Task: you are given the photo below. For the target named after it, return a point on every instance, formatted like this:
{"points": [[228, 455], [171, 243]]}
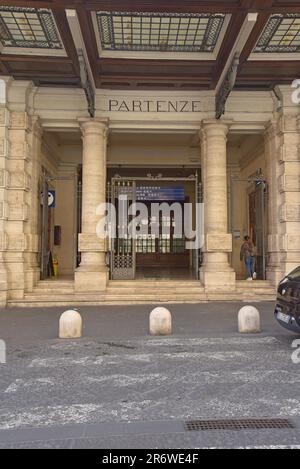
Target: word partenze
{"points": [[137, 105]]}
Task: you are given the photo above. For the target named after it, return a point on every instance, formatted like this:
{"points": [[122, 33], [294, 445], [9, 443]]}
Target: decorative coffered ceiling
{"points": [[151, 44]]}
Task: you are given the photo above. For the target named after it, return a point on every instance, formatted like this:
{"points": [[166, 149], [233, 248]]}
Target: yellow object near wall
{"points": [[55, 267]]}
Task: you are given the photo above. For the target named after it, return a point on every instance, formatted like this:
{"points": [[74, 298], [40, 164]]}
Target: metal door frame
{"points": [[198, 253], [44, 260], [123, 273]]}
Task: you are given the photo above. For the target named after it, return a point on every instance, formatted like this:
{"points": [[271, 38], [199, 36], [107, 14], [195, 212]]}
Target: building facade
{"points": [[65, 148]]}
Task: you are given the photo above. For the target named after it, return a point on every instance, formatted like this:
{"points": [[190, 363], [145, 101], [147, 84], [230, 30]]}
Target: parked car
{"points": [[287, 310]]}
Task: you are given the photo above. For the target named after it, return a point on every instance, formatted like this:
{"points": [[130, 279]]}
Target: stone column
{"points": [[274, 267], [32, 268], [21, 241], [216, 273], [4, 181], [288, 181], [92, 274], [203, 147]]}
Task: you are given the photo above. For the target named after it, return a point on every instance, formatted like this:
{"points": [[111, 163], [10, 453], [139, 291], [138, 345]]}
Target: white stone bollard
{"points": [[70, 325], [249, 320], [160, 321]]}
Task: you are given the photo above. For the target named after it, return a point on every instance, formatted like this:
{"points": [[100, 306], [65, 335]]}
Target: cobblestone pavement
{"points": [[136, 391]]}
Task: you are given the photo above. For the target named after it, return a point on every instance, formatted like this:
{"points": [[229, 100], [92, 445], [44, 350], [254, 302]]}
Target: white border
{"points": [[276, 56], [34, 51]]}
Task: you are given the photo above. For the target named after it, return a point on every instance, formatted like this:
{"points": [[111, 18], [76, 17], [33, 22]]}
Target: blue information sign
{"points": [[154, 193], [51, 199]]}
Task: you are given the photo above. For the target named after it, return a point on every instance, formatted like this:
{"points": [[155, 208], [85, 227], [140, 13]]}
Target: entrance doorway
{"points": [[57, 225], [45, 227], [159, 249], [258, 225], [249, 199]]}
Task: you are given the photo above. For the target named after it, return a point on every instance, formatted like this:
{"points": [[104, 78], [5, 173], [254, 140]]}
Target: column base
{"points": [[91, 281], [3, 286], [3, 294], [32, 276], [218, 281], [3, 303], [274, 275], [15, 280]]}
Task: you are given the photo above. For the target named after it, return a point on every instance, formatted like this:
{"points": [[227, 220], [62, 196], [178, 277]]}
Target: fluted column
{"points": [[216, 273], [92, 273]]}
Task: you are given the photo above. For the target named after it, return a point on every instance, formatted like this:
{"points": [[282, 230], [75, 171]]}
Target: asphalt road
{"points": [[117, 387]]}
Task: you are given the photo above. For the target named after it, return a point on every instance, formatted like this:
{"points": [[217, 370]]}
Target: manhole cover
{"points": [[249, 424]]}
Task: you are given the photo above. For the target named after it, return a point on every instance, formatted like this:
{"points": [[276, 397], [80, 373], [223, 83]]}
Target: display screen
{"points": [[154, 193]]}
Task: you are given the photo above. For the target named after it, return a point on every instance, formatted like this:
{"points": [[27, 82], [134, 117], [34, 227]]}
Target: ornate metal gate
{"points": [[121, 194], [122, 248]]}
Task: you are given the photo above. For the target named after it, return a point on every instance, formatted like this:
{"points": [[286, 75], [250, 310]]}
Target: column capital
{"points": [[216, 127], [94, 126], [271, 129], [37, 126]]}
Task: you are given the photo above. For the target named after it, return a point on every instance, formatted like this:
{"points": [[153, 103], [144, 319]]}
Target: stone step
{"points": [[254, 284], [26, 303], [130, 289], [154, 283], [101, 299], [161, 290], [115, 296], [51, 292], [55, 284], [68, 304], [61, 293], [256, 290], [240, 297], [157, 291], [125, 288], [144, 298]]}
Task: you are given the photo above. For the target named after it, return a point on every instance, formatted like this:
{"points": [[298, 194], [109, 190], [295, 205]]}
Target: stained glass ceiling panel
{"points": [[159, 31], [281, 35], [28, 27]]}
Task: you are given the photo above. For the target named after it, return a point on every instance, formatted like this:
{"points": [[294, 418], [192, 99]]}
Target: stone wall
{"points": [[20, 147]]}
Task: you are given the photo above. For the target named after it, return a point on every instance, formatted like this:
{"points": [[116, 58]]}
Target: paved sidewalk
{"points": [[117, 387], [21, 326]]}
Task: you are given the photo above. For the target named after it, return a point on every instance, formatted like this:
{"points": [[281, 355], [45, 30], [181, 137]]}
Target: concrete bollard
{"points": [[249, 320], [160, 321], [70, 325]]}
